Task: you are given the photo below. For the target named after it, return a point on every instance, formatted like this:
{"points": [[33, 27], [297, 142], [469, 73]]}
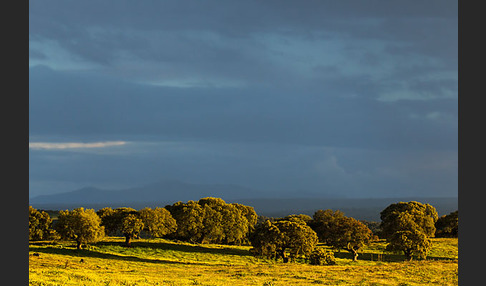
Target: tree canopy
{"points": [[407, 227], [212, 220], [189, 218], [412, 242], [121, 220], [418, 215], [158, 222], [273, 239], [80, 225], [39, 224], [448, 225], [341, 232], [131, 226], [323, 221]]}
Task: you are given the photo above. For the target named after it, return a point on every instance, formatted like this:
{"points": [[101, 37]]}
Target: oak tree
{"points": [[419, 215], [341, 232], [448, 225], [80, 225], [266, 239], [351, 235], [189, 218], [407, 227], [131, 225], [274, 239], [212, 220], [411, 242], [39, 224], [122, 220], [323, 222], [158, 222]]}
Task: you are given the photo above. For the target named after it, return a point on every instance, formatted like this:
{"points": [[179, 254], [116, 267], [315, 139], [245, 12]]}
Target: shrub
{"points": [[447, 225], [321, 257]]}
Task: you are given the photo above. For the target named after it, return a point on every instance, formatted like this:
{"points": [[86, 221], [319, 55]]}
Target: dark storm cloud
{"points": [[353, 97], [91, 106], [244, 15], [221, 38]]}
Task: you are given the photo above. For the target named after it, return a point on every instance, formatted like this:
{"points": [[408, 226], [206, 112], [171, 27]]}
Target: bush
{"points": [[321, 257], [447, 225]]}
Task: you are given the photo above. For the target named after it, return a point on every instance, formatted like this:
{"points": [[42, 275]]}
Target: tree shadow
{"points": [[53, 248], [222, 250], [385, 257], [441, 258], [85, 253]]}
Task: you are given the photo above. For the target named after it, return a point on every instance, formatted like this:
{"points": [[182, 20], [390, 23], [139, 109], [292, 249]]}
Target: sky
{"points": [[352, 98]]}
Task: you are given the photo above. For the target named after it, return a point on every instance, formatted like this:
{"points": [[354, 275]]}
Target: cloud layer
{"points": [[72, 145], [350, 97]]}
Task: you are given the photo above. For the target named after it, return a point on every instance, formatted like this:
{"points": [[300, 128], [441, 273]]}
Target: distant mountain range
{"points": [[358, 208], [170, 191]]}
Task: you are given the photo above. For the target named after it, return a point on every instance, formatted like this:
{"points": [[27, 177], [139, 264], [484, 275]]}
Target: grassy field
{"points": [[163, 262]]}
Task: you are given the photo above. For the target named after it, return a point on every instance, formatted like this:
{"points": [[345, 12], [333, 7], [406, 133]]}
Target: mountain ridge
{"points": [[166, 190], [162, 193]]}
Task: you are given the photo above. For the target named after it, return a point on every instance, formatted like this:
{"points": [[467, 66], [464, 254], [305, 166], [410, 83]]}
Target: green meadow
{"points": [[165, 262]]}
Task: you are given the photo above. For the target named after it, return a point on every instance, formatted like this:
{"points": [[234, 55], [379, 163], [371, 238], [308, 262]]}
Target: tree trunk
{"points": [[355, 255], [353, 251], [409, 255], [282, 254], [128, 239], [78, 245]]}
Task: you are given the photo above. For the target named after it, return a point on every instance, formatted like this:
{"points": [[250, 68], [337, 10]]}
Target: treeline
{"points": [[209, 220], [406, 226]]}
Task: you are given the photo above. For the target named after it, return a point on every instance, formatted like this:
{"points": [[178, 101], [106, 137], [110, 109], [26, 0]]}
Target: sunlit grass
{"points": [[163, 262]]}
